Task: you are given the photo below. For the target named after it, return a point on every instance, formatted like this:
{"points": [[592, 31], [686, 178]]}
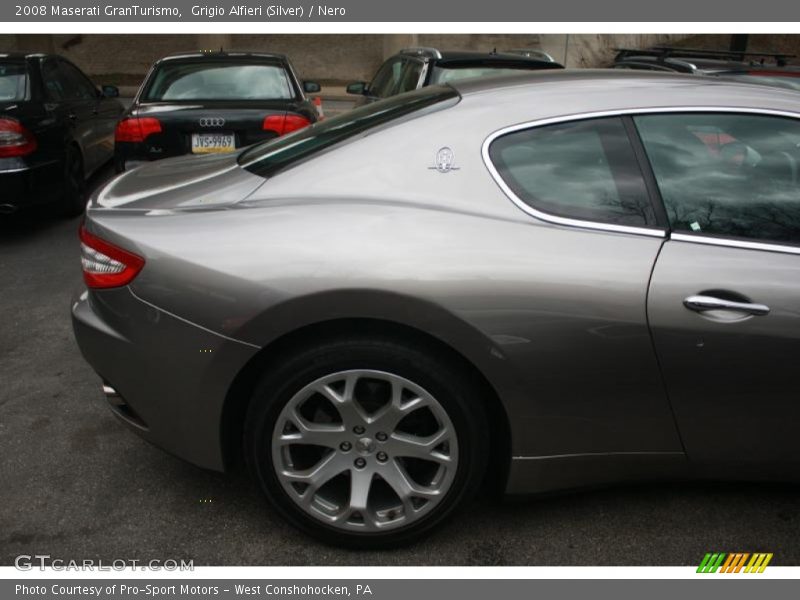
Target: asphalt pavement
{"points": [[75, 483]]}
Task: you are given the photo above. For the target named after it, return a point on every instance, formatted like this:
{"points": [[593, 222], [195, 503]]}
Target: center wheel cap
{"points": [[365, 445]]}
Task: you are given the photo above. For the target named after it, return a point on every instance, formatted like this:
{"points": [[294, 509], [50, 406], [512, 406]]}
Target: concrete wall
{"points": [[328, 58]]}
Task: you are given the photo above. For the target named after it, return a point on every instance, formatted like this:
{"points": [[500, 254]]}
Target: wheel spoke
{"points": [[360, 484], [390, 416], [424, 448], [315, 434], [317, 476], [405, 487], [345, 403]]}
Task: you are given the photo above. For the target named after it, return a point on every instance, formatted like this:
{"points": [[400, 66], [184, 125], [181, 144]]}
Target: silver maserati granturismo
{"points": [[538, 282]]}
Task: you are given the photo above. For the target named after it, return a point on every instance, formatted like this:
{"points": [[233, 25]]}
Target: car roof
{"points": [[463, 57], [222, 54], [588, 90], [21, 56], [697, 63]]}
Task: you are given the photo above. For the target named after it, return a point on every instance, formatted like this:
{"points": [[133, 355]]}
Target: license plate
{"points": [[211, 143]]}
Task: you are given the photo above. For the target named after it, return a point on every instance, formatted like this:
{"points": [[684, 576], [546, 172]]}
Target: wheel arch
{"points": [[240, 391]]}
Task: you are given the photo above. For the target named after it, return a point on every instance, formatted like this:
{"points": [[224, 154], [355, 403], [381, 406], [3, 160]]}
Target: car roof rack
{"points": [[422, 51], [664, 52]]}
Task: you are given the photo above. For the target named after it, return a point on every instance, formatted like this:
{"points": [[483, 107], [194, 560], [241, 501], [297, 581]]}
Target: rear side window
{"points": [[410, 78], [387, 79], [81, 88], [13, 82], [584, 170], [270, 157], [58, 86], [218, 80], [730, 175]]}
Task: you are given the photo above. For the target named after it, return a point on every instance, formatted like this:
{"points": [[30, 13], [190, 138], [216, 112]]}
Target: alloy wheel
{"points": [[365, 450]]}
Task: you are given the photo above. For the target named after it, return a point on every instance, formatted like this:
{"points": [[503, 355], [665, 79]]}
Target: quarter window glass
{"points": [[54, 80], [82, 88], [727, 175], [583, 170], [387, 79], [410, 77]]}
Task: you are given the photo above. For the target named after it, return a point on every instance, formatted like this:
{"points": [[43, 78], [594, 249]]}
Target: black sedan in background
{"points": [[212, 102], [56, 129], [413, 68]]}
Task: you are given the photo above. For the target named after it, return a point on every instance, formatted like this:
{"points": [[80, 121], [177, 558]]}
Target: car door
{"points": [[724, 300], [104, 115], [92, 115]]}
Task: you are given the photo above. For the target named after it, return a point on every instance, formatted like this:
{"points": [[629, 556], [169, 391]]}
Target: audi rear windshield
{"points": [[268, 158], [13, 81], [207, 80]]}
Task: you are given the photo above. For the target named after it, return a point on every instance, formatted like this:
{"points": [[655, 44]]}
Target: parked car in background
{"points": [[596, 283], [413, 68], [212, 102], [56, 129], [532, 53], [768, 69]]}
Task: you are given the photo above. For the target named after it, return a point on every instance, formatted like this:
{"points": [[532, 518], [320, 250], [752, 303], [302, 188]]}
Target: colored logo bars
{"points": [[734, 562]]}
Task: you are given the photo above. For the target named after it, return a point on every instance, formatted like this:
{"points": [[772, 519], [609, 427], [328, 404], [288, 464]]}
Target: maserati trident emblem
{"points": [[445, 161], [212, 122]]}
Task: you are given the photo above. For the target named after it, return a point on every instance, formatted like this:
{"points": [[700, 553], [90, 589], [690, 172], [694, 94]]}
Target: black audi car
{"points": [[212, 102], [413, 68], [56, 129]]}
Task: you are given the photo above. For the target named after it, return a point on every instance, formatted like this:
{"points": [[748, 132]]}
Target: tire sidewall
{"points": [[439, 378]]}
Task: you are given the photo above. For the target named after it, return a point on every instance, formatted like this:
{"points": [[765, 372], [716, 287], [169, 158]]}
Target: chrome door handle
{"points": [[704, 303]]}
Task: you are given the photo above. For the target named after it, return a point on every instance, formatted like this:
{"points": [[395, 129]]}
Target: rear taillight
{"points": [[106, 265], [283, 124], [136, 129], [15, 139]]}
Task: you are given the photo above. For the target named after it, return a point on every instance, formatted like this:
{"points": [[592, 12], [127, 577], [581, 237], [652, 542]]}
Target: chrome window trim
{"points": [[729, 243], [596, 225]]}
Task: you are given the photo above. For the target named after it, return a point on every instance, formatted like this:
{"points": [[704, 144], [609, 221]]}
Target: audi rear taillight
{"points": [[15, 139], [106, 265], [136, 129], [283, 124]]}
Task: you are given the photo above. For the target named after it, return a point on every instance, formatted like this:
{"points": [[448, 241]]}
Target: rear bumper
{"points": [[129, 155], [168, 378], [28, 185]]}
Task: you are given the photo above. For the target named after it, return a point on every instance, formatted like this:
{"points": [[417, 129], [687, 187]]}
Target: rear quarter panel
{"points": [[553, 317]]}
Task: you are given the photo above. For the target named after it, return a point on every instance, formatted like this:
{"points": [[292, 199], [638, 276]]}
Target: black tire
{"points": [[443, 378], [74, 196]]}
